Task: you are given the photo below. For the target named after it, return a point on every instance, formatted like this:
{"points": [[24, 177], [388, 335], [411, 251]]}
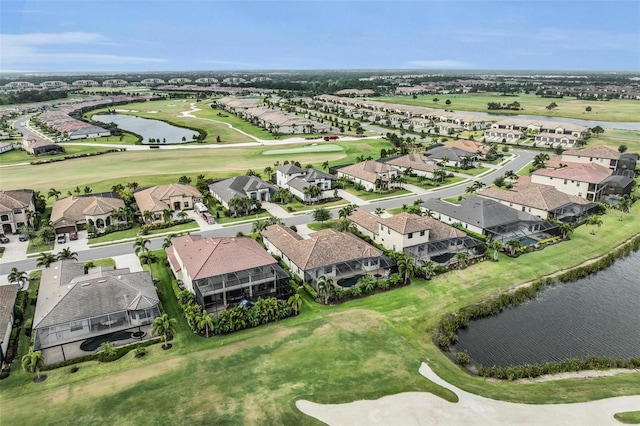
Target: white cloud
{"points": [[29, 50], [440, 64]]}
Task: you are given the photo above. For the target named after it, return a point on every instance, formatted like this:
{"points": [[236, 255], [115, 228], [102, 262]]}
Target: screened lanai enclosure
{"points": [[81, 329], [527, 232], [378, 267], [442, 251], [572, 212], [217, 292]]}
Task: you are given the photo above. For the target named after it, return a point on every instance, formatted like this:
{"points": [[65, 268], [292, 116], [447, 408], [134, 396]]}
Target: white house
{"points": [[296, 179]]}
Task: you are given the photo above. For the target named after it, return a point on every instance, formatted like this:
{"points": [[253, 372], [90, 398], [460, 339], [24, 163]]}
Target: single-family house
{"points": [[416, 162], [175, 197], [420, 237], [14, 205], [453, 156], [8, 295], [329, 253], [466, 145], [544, 201], [585, 180], [371, 174], [5, 147], [72, 214], [221, 271], [73, 306], [241, 186], [600, 155], [40, 146], [492, 218], [296, 179]]}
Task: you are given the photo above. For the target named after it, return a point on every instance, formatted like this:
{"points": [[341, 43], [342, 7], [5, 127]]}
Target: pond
{"points": [[598, 315], [149, 128]]}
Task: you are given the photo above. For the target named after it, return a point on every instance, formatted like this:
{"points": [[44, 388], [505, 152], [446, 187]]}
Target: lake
{"points": [[598, 315], [148, 128]]}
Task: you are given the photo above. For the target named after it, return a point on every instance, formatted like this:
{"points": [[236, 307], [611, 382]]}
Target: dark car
{"points": [[62, 238], [181, 285], [23, 237], [73, 236], [3, 239]]}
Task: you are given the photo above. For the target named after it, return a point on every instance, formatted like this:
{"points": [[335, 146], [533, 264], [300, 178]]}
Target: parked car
{"points": [[62, 238], [3, 239], [23, 237], [210, 219], [181, 285], [73, 236]]}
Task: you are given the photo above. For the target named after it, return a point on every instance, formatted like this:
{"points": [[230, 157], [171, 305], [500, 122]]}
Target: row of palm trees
{"points": [[45, 259]]}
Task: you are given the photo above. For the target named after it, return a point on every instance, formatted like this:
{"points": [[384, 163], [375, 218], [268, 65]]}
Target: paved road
{"points": [[523, 157]]}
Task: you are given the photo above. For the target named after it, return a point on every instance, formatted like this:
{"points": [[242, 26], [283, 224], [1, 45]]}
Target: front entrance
{"points": [[6, 228]]}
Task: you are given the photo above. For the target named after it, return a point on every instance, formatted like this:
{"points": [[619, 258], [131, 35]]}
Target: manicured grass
{"points": [[614, 110], [475, 171], [19, 156], [613, 138], [224, 220], [298, 206], [36, 245], [104, 262], [115, 236], [156, 167], [362, 349], [428, 183], [208, 113], [630, 417], [366, 195], [315, 147], [126, 139]]}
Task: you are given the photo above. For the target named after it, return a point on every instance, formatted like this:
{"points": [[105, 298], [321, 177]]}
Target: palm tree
{"points": [[513, 245], [345, 225], [429, 268], [165, 326], [148, 258], [148, 216], [167, 240], [16, 276], [140, 245], [325, 285], [624, 205], [45, 259], [496, 246], [511, 175], [295, 301], [440, 175], [182, 215], [67, 254], [406, 267], [108, 348], [368, 283], [325, 166], [379, 211], [53, 193], [32, 361], [595, 220], [234, 205], [205, 320], [167, 215], [565, 229], [462, 258]]}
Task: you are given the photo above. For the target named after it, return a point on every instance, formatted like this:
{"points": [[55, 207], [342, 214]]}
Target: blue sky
{"points": [[146, 35]]}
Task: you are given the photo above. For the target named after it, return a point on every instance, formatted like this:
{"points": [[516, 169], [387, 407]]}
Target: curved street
{"points": [[521, 159]]}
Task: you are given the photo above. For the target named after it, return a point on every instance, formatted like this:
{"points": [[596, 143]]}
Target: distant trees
{"points": [[551, 106], [622, 148]]}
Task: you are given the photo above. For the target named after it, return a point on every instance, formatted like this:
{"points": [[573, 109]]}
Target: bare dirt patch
{"points": [[586, 374]]}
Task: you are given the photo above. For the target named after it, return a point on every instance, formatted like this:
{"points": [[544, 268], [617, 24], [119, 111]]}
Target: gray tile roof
{"points": [[238, 186], [66, 295], [288, 169], [454, 154], [481, 212]]}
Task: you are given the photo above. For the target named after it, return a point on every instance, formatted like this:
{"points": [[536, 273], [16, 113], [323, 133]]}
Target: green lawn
{"points": [[126, 139], [614, 138], [631, 417], [366, 195], [428, 183], [156, 167], [475, 171], [19, 156], [36, 245], [298, 206], [374, 346], [614, 110], [134, 232], [208, 113]]}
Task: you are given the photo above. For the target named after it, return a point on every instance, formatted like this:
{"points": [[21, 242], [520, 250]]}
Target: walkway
{"points": [[423, 408]]}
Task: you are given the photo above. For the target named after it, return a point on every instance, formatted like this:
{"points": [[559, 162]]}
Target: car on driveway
{"points": [[3, 239], [62, 238], [23, 237], [73, 236], [181, 285]]}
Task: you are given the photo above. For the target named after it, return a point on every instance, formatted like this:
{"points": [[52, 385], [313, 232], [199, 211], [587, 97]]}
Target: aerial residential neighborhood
{"points": [[419, 213]]}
